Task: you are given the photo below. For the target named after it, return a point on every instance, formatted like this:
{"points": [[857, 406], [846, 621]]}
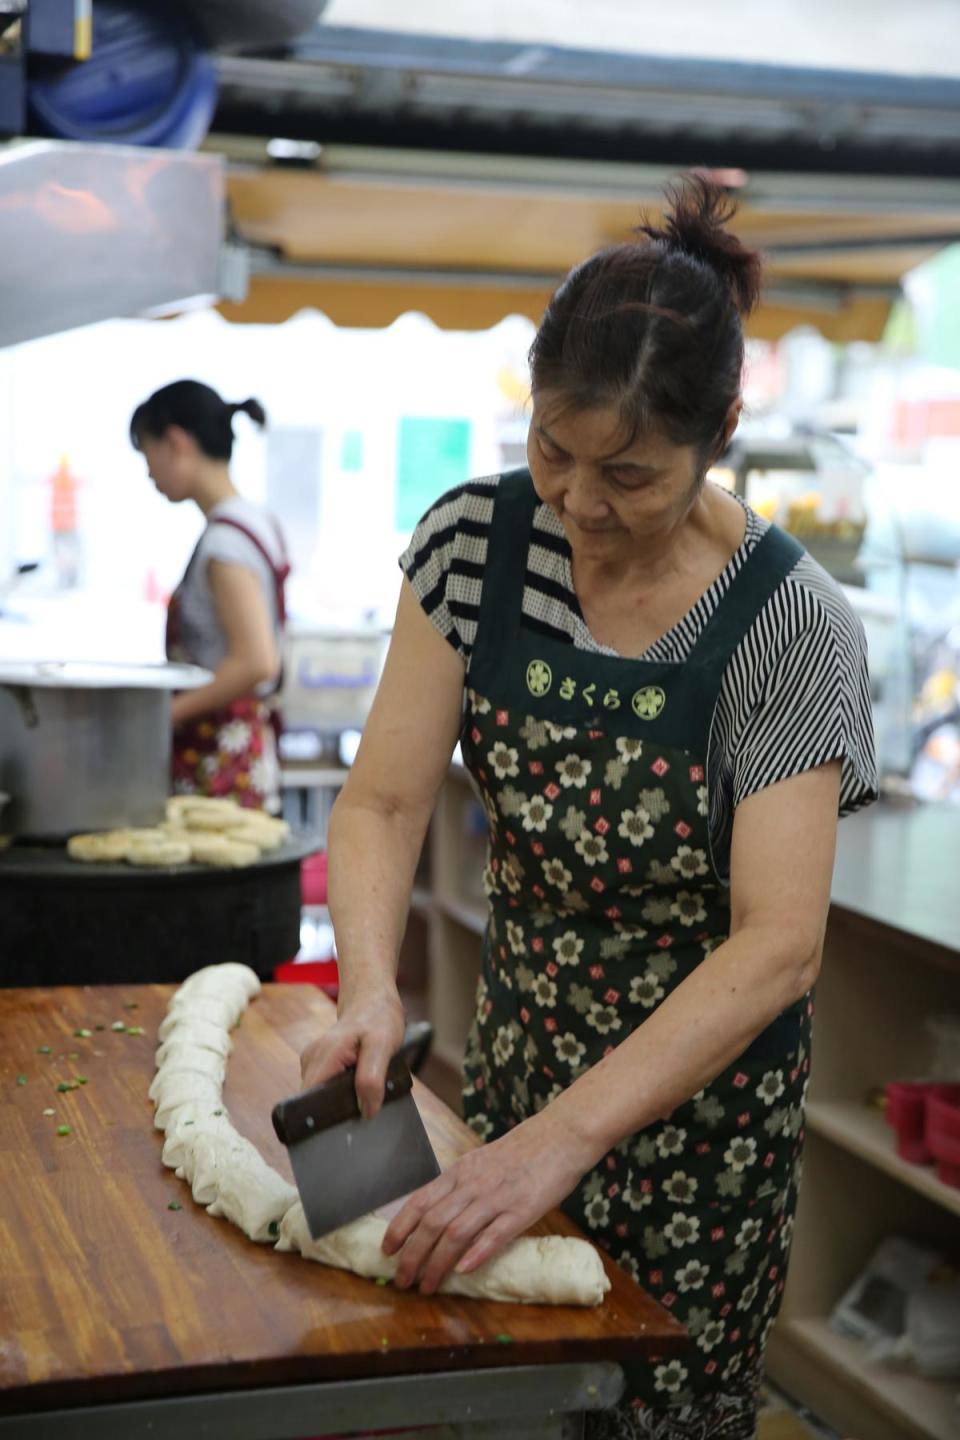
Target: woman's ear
{"points": [[181, 442], [730, 423]]}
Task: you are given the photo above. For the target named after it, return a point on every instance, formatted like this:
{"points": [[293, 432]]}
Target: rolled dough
{"points": [[534, 1270], [215, 1012], [216, 979], [188, 1059], [200, 1033], [230, 1177]]}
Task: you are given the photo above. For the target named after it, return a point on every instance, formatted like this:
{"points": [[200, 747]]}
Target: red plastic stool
{"points": [[322, 973]]}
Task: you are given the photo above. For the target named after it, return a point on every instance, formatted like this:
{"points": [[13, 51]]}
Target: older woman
{"points": [[663, 701]]}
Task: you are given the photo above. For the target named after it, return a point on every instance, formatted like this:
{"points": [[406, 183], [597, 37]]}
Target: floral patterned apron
{"points": [[231, 752], [604, 896]]}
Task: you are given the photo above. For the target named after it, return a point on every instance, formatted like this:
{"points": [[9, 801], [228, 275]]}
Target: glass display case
{"points": [[910, 560], [809, 484]]}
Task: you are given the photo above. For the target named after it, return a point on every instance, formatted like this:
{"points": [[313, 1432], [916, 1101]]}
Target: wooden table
{"points": [[120, 1316]]}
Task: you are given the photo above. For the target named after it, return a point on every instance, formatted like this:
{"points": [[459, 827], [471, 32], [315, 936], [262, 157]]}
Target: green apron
{"points": [[604, 895]]}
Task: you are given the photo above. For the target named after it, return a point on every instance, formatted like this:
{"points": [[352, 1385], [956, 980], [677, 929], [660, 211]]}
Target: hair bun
{"points": [[695, 222], [250, 407]]}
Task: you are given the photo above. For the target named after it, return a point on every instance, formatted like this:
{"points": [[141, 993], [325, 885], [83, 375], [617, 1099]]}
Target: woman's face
{"points": [[170, 461], [607, 494]]}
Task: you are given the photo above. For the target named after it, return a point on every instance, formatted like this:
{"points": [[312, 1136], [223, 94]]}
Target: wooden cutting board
{"points": [[106, 1293]]}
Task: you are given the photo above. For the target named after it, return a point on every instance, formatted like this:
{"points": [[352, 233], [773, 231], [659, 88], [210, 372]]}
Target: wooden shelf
{"points": [[919, 1409], [865, 1133], [471, 914]]}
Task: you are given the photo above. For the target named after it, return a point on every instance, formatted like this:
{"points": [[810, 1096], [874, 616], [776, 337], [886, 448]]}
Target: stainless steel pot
{"points": [[86, 746]]}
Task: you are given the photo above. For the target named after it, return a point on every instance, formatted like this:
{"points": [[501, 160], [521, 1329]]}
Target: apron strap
{"points": [[279, 572], [501, 603], [504, 574], [765, 569]]}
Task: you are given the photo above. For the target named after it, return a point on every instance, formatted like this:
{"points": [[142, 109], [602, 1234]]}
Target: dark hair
{"points": [[196, 408], [654, 327]]}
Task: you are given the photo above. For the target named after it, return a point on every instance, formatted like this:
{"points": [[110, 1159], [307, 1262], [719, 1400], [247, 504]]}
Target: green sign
{"points": [[351, 450], [432, 457]]}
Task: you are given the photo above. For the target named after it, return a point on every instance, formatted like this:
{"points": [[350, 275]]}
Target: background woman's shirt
{"points": [[203, 636]]}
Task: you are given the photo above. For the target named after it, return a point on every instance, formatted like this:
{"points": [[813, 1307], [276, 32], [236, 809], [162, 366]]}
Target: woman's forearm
{"points": [[233, 678], [373, 856], [697, 1031]]}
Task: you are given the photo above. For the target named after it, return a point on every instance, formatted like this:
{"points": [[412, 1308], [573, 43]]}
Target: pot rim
{"points": [[102, 675]]}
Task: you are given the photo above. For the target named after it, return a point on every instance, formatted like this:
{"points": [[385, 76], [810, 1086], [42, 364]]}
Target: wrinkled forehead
{"points": [[599, 430]]}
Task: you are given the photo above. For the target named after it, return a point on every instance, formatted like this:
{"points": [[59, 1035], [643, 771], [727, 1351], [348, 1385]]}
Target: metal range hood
{"points": [[93, 232]]}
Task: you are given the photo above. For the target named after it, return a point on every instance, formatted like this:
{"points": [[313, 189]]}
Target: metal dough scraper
{"points": [[346, 1166]]}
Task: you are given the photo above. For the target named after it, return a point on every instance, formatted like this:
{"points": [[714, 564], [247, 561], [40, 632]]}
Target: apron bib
{"points": [[604, 895]]}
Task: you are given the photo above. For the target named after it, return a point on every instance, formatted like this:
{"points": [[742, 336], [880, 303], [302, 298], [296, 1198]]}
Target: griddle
{"points": [[66, 923]]}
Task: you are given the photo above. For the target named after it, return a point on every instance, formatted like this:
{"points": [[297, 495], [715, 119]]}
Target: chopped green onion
{"points": [[49, 1112], [504, 1339], [273, 1228], [189, 1122], [43, 1049], [216, 1112], [64, 1086], [382, 1280], [73, 1055], [131, 1005], [80, 1079], [63, 1129], [118, 1025], [174, 1205], [134, 1029], [21, 1079], [83, 1034]]}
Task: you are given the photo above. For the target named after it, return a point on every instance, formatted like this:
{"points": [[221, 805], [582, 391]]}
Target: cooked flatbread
{"points": [[178, 805], [253, 835], [159, 849], [98, 849], [222, 851], [212, 822], [259, 819]]}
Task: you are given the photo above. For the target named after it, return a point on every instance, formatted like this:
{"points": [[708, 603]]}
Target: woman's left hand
{"points": [[486, 1199]]}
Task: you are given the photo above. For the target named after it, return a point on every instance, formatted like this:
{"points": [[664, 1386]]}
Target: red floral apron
{"points": [[230, 753]]}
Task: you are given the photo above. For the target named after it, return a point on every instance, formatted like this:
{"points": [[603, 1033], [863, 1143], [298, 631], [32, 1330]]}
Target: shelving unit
{"points": [[865, 1133], [875, 992], [456, 919], [907, 1407]]}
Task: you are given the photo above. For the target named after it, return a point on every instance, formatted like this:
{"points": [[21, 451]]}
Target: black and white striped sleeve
{"points": [[811, 693], [445, 559]]}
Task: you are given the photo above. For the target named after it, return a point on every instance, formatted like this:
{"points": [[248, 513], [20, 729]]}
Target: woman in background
{"points": [[227, 613]]}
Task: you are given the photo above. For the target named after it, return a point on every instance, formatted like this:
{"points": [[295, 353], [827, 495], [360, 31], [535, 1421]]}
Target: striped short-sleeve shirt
{"points": [[795, 694]]}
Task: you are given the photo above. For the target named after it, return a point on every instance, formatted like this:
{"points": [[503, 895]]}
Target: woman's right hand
{"points": [[368, 1033]]}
